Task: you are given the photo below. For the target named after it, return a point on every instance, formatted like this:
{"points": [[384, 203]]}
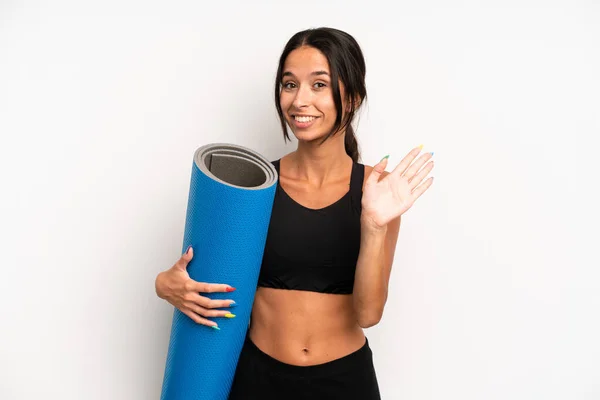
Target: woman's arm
{"points": [[383, 203], [373, 268]]}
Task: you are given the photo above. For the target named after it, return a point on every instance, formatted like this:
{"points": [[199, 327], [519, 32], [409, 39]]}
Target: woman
{"points": [[331, 239]]}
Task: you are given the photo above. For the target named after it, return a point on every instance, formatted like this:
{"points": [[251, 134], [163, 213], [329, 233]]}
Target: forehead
{"points": [[305, 60]]}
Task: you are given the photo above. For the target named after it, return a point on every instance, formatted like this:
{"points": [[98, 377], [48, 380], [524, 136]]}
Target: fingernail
{"points": [[229, 315], [432, 153], [229, 289], [188, 249], [384, 158], [215, 327], [232, 304], [420, 147]]}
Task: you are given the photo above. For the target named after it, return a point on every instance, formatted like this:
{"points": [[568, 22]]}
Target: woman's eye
{"points": [[292, 85]]}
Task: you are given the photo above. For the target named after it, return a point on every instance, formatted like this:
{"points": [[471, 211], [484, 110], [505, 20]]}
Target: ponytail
{"points": [[351, 144]]}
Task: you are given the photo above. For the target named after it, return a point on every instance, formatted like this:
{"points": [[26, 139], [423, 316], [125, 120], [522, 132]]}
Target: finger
{"points": [[208, 313], [400, 168], [414, 168], [219, 303], [204, 287], [422, 188], [414, 181], [198, 319], [377, 171], [185, 259], [206, 302]]}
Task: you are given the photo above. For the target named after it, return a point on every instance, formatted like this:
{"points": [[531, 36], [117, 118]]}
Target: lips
{"points": [[303, 118], [303, 121]]}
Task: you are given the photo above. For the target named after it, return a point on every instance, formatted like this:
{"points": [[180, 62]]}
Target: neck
{"points": [[320, 164]]}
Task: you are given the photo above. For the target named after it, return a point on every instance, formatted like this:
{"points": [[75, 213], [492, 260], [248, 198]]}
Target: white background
{"points": [[494, 291]]}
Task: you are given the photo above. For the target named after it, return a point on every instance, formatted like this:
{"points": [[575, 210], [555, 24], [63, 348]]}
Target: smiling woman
{"points": [[320, 83], [331, 238], [305, 337]]}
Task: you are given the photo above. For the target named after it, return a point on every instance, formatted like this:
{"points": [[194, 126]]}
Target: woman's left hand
{"points": [[388, 198]]}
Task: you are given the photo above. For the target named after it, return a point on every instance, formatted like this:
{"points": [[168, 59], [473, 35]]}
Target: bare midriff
{"points": [[304, 328]]}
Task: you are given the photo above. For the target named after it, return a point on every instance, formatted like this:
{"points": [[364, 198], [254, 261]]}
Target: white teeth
{"points": [[303, 119]]}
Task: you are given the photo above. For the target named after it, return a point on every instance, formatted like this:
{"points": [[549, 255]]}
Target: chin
{"points": [[308, 135]]}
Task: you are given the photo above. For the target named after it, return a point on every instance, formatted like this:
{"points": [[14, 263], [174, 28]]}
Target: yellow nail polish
{"points": [[420, 147], [229, 315]]}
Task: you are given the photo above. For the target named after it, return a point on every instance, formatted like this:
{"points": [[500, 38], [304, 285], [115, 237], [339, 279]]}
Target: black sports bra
{"points": [[313, 249]]}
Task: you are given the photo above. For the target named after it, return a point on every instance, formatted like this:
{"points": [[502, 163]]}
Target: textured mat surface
{"points": [[230, 200]]}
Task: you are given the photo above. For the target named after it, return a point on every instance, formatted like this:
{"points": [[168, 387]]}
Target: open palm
{"points": [[385, 199]]}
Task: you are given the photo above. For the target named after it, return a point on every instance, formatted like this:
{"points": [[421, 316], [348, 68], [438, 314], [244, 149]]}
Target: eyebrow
{"points": [[288, 73]]}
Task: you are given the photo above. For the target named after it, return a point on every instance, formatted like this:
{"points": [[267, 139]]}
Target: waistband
{"points": [[361, 358]]}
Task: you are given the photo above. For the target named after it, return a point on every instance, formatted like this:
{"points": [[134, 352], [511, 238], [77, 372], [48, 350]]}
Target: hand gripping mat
{"points": [[228, 213]]}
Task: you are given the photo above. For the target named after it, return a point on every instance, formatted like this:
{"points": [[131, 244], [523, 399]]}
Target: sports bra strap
{"points": [[356, 182]]}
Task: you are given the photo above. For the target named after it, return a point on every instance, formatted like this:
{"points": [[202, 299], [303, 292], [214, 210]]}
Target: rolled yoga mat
{"points": [[228, 213]]}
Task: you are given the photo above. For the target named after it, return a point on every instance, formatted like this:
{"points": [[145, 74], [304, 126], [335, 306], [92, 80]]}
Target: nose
{"points": [[303, 97]]}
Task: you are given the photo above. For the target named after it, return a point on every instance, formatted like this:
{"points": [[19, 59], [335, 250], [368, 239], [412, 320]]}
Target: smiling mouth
{"points": [[304, 118]]}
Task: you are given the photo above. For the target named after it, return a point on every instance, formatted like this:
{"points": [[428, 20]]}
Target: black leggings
{"points": [[260, 376]]}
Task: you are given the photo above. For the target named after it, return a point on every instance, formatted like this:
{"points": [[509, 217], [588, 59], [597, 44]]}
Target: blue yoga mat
{"points": [[229, 207]]}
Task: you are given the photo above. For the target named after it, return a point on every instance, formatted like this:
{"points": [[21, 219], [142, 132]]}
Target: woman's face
{"points": [[306, 98]]}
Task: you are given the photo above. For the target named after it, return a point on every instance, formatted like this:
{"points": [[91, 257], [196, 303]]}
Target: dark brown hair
{"points": [[346, 63]]}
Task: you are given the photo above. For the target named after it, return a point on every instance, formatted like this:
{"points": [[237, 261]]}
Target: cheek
{"points": [[327, 106], [285, 101]]}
